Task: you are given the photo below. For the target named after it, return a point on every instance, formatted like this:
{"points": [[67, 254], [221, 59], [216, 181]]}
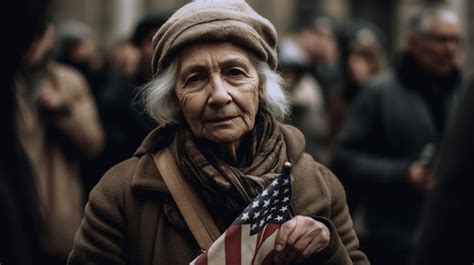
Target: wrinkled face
{"points": [[218, 91], [437, 49]]}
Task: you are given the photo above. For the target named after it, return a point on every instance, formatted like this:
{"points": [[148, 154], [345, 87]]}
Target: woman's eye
{"points": [[234, 72], [195, 78]]}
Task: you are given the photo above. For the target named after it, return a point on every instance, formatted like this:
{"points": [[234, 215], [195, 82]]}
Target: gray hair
{"points": [[421, 22], [159, 100]]}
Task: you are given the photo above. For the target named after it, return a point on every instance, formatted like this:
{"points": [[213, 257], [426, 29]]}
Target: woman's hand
{"points": [[299, 238]]}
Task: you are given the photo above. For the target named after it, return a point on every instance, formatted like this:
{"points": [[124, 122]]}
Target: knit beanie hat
{"points": [[215, 20]]}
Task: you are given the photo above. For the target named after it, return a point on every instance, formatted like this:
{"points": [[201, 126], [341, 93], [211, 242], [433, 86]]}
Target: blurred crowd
{"points": [[379, 123]]}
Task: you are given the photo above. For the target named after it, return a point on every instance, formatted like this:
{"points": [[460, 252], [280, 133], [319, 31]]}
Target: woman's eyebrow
{"points": [[234, 62]]}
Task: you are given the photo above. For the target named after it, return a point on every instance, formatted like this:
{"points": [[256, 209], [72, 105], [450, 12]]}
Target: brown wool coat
{"points": [[131, 218]]}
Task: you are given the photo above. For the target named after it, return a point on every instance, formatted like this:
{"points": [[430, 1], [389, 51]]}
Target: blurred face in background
{"points": [[83, 51], [126, 58], [364, 61], [320, 44], [437, 49], [360, 69]]}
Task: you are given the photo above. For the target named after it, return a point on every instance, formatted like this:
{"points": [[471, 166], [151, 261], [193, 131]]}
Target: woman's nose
{"points": [[219, 94]]}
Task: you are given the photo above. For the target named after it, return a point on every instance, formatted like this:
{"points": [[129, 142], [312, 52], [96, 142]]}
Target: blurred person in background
{"points": [[125, 58], [362, 58], [448, 217], [19, 213], [76, 46], [142, 39], [305, 95], [386, 143], [323, 47], [125, 121], [309, 62], [58, 123], [316, 47]]}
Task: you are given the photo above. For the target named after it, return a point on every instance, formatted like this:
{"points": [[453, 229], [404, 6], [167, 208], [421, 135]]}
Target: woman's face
{"points": [[218, 91]]}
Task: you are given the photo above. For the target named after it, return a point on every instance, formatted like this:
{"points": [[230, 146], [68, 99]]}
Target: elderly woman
{"points": [[218, 99]]}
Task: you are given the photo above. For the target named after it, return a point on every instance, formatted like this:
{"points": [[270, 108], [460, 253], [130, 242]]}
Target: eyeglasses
{"points": [[442, 39]]}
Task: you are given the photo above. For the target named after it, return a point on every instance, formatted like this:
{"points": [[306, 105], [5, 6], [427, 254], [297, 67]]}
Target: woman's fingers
{"points": [[281, 249], [300, 238]]}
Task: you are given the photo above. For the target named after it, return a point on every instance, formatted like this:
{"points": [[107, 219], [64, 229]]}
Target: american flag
{"points": [[251, 237]]}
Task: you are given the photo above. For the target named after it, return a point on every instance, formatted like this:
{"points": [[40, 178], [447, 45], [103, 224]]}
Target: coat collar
{"points": [[147, 177]]}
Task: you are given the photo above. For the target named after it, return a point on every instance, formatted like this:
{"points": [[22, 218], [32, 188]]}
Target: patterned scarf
{"points": [[232, 187]]}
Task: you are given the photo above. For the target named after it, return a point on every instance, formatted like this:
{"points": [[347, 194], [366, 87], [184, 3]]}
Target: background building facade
{"points": [[113, 20]]}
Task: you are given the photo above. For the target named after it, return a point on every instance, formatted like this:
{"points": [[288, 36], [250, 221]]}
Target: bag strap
{"points": [[189, 203]]}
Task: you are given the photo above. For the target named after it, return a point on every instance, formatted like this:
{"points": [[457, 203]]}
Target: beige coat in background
{"points": [[56, 169]]}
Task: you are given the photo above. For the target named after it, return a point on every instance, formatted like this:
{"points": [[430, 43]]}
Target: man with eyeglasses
{"points": [[388, 145]]}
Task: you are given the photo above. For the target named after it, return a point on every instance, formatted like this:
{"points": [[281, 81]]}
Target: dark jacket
{"points": [[392, 120], [131, 218], [450, 205]]}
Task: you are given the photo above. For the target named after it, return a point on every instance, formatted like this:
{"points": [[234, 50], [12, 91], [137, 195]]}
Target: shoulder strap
{"points": [[189, 203]]}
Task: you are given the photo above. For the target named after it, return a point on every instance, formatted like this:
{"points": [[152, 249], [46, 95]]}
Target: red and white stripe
{"points": [[237, 247]]}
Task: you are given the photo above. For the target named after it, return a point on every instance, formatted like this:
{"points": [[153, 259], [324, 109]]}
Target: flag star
{"points": [[255, 204], [286, 190], [261, 222], [275, 182], [245, 216], [266, 203], [286, 199], [265, 212], [279, 218], [256, 215], [284, 208], [275, 193], [269, 217], [265, 193], [273, 209], [285, 181], [276, 201], [253, 227]]}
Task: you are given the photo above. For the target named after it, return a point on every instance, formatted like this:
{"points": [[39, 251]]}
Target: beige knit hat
{"points": [[215, 20]]}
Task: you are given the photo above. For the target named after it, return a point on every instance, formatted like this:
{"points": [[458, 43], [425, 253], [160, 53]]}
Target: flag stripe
{"points": [[266, 232], [232, 244], [267, 246], [269, 230], [216, 253], [248, 245]]}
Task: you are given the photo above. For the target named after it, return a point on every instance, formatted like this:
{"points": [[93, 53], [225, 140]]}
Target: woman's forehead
{"points": [[215, 53]]}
